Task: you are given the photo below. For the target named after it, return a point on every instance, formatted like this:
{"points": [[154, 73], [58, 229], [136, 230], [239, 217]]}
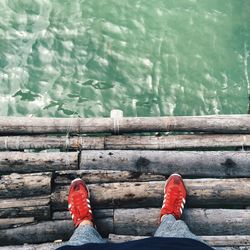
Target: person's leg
{"points": [[172, 209], [82, 216], [83, 235], [170, 227]]}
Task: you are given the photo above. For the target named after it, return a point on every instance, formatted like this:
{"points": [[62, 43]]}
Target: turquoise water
{"points": [[149, 58]]}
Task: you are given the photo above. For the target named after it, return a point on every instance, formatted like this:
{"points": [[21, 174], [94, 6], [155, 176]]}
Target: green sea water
{"points": [[68, 58]]}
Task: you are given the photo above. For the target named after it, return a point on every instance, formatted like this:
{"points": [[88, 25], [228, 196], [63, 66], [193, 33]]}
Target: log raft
{"points": [[37, 125], [125, 173], [125, 142]]}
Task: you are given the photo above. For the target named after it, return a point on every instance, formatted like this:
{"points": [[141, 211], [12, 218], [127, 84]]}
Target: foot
{"points": [[78, 202], [174, 197]]}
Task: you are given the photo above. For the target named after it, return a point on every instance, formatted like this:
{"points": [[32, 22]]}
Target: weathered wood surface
{"points": [[224, 240], [98, 214], [15, 222], [201, 192], [51, 142], [175, 142], [20, 162], [200, 221], [38, 125], [37, 207], [124, 142], [44, 246], [25, 185], [52, 246], [38, 233], [102, 176], [187, 163], [132, 222]]}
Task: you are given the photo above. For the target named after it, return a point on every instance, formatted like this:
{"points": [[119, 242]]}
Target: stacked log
{"points": [[125, 175], [132, 222], [23, 162], [187, 163], [124, 142], [214, 124]]}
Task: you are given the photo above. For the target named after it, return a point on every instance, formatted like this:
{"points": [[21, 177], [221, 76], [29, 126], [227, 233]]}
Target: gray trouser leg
{"points": [[85, 234], [170, 227]]}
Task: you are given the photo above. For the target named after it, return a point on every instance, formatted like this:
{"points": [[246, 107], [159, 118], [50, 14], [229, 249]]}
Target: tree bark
{"points": [[34, 125], [186, 163], [132, 222], [102, 176], [37, 207], [201, 192], [52, 246], [15, 222], [25, 185], [224, 240], [124, 142], [20, 162], [200, 221]]}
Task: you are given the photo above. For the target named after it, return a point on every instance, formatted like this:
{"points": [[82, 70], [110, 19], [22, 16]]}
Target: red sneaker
{"points": [[174, 196], [78, 202]]}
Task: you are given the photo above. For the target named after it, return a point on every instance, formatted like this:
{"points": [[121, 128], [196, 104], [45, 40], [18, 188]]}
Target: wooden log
{"points": [[221, 240], [227, 240], [200, 221], [187, 163], [98, 214], [51, 142], [20, 162], [37, 207], [25, 185], [124, 142], [132, 222], [38, 125], [44, 246], [175, 142], [201, 193], [52, 246], [38, 233], [103, 219], [48, 231], [102, 176], [15, 222]]}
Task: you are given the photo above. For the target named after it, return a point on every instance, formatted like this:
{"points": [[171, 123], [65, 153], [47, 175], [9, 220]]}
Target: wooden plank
{"points": [[39, 125], [200, 221], [37, 207], [187, 163], [102, 176], [124, 142], [20, 162], [132, 222], [201, 193], [224, 240], [25, 185], [15, 222]]}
